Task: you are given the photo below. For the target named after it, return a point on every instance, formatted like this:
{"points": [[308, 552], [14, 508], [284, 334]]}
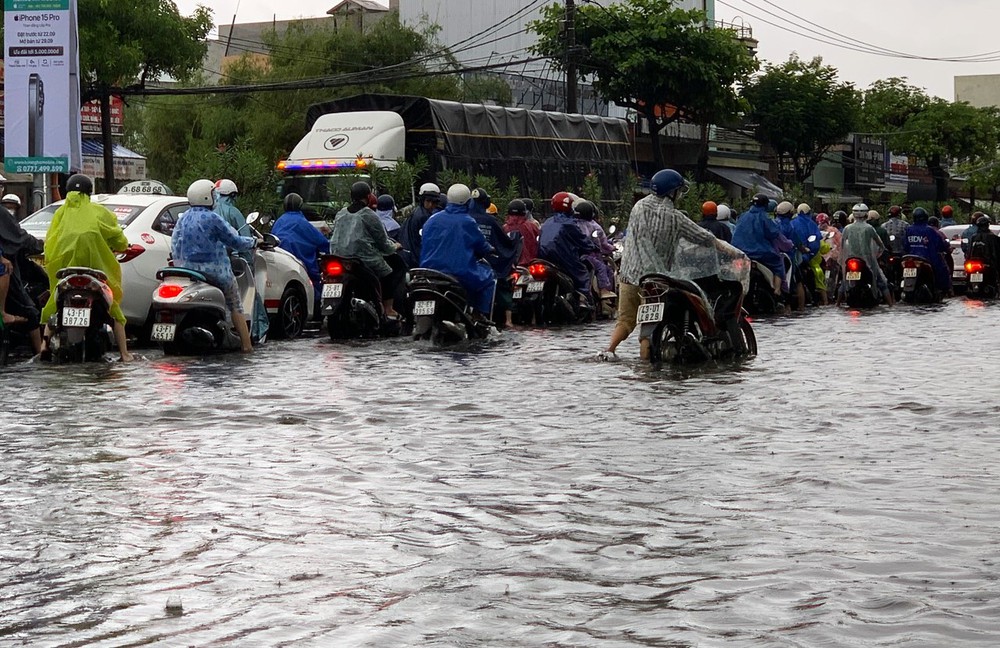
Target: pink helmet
{"points": [[822, 220]]}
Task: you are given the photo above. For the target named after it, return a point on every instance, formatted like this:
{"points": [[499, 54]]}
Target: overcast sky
{"points": [[929, 28]]}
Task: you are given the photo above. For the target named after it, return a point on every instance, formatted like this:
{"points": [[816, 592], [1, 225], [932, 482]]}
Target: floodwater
{"points": [[839, 490]]}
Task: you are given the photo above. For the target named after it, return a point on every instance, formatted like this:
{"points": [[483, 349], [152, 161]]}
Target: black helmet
{"points": [[934, 222], [360, 191], [385, 203], [529, 204], [983, 223], [481, 197], [81, 183], [760, 200], [840, 217], [293, 202], [517, 208], [920, 215], [585, 210]]}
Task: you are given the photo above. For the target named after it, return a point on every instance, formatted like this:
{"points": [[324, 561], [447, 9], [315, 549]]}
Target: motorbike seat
{"points": [[187, 273], [440, 281], [77, 270]]}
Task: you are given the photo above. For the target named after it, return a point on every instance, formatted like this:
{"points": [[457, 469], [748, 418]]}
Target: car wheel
{"points": [[291, 318]]}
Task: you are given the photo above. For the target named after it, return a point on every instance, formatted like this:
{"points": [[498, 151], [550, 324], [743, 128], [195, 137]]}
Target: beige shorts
{"points": [[628, 305]]}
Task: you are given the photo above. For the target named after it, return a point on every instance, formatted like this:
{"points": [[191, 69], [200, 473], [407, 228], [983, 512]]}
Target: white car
{"points": [[148, 220]]}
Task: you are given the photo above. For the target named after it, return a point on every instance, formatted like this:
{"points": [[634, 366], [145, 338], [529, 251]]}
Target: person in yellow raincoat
{"points": [[86, 235]]}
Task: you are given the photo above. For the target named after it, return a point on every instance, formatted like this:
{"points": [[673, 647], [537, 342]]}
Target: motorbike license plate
{"points": [[73, 317], [333, 290], [650, 313], [958, 273], [976, 277], [519, 293], [909, 273], [536, 286], [163, 332], [854, 276], [423, 308]]}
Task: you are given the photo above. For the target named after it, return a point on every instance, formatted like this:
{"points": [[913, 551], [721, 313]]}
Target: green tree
{"points": [[666, 63], [800, 110], [888, 103], [126, 43]]}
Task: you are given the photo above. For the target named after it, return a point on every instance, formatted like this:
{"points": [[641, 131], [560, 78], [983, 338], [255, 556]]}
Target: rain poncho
{"points": [[924, 241], [760, 239], [985, 246], [529, 231], [862, 241], [389, 222], [505, 250], [807, 233], [225, 206], [303, 241], [201, 240], [655, 227], [563, 243], [593, 231], [84, 234], [360, 235], [452, 243], [409, 234]]}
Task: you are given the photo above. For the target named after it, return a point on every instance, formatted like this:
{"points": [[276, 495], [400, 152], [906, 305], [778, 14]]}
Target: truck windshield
{"points": [[329, 190]]}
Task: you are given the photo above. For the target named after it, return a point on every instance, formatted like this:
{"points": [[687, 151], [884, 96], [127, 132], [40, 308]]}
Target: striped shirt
{"points": [[655, 227]]}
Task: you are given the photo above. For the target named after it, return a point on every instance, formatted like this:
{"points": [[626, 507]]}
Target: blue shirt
{"points": [[200, 241], [302, 240]]}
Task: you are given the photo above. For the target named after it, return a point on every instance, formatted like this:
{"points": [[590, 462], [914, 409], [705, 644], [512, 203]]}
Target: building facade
{"points": [[980, 90]]}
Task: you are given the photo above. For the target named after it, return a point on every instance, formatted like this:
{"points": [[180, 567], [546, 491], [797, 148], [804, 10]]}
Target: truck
{"points": [[545, 151]]}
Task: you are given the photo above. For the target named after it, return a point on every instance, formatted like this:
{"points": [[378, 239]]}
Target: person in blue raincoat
{"points": [[564, 244], [385, 209], [759, 238], [226, 193], [410, 231], [301, 239], [506, 251], [452, 243], [924, 241]]}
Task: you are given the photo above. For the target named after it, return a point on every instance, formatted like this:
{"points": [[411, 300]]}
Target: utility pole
{"points": [[570, 56]]}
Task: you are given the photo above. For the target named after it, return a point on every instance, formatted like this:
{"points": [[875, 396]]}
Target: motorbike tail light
{"points": [[909, 263], [130, 253], [973, 266], [538, 271], [333, 268], [514, 276], [79, 281], [853, 265], [169, 291]]}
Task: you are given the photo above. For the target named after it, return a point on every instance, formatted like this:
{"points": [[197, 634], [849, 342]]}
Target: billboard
{"points": [[869, 160], [41, 86]]}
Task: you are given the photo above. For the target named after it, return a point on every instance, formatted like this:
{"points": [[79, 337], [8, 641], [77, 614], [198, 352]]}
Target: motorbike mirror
{"points": [[253, 217], [271, 241], [612, 229]]}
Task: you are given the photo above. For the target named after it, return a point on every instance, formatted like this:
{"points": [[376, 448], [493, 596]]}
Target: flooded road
{"points": [[839, 490]]}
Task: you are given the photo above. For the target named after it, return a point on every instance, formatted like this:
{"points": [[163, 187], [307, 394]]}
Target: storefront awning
{"points": [[129, 165], [748, 180]]}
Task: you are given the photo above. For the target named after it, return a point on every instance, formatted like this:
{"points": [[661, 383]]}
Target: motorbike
{"points": [[982, 279], [189, 314], [918, 281], [441, 311], [892, 266], [761, 300], [686, 325], [553, 296], [352, 300], [81, 328], [522, 305], [860, 287]]}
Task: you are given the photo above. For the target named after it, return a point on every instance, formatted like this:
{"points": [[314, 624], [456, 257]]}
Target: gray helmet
{"points": [[293, 202], [360, 191]]}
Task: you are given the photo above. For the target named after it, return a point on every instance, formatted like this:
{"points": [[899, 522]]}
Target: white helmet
{"points": [[860, 208], [226, 187], [723, 212], [200, 194], [783, 208], [459, 194], [873, 214], [804, 208], [11, 198], [429, 189]]}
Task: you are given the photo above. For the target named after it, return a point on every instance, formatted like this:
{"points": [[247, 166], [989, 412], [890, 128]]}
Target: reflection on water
{"points": [[838, 490]]}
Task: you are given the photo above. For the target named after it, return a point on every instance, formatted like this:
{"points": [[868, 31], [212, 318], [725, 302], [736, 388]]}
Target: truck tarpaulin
{"points": [[546, 151]]}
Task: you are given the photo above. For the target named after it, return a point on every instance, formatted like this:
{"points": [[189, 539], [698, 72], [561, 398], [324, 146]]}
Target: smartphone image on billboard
{"points": [[36, 114]]}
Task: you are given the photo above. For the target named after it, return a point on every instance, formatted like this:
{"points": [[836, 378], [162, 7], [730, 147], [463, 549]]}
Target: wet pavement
{"points": [[838, 490]]}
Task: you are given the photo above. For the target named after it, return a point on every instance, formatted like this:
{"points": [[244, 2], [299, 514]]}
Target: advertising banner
{"points": [[41, 86], [869, 160]]}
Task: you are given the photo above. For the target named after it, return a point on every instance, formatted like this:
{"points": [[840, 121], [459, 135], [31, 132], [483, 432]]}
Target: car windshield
{"points": [[42, 218], [322, 193]]}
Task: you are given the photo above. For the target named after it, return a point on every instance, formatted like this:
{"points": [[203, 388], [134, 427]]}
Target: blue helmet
{"points": [[772, 204], [666, 181]]}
